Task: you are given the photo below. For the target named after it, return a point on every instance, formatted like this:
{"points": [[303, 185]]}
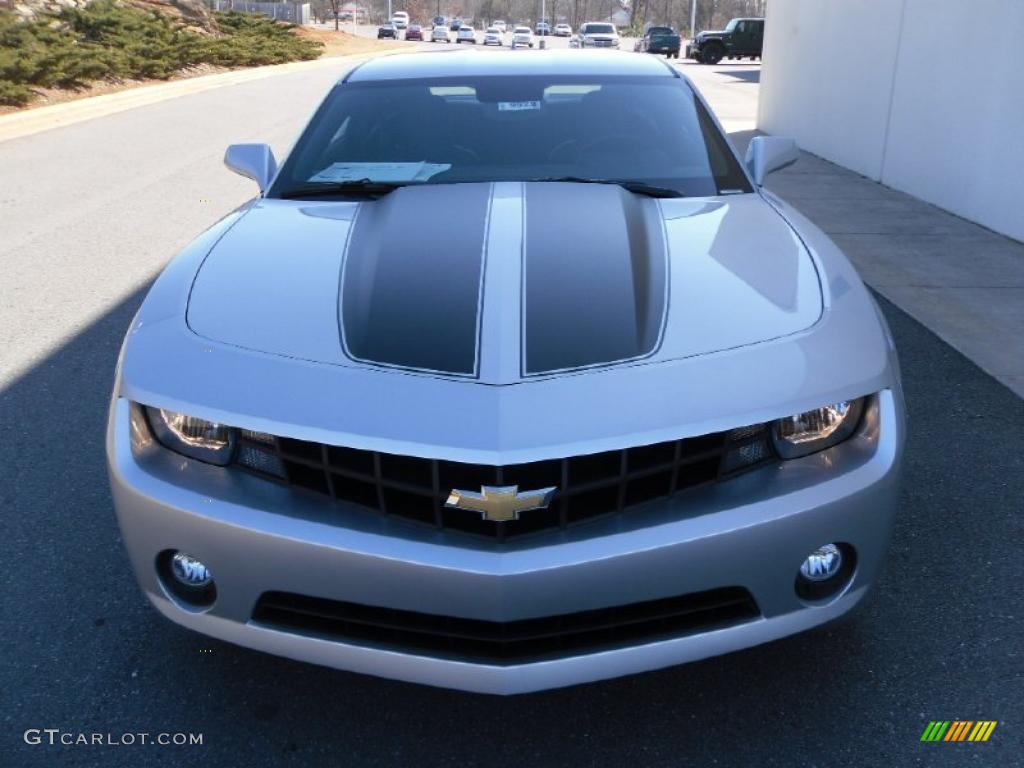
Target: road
{"points": [[91, 212]]}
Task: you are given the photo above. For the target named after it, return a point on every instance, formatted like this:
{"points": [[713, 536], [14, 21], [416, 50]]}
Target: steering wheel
{"points": [[560, 147], [615, 141], [471, 153]]}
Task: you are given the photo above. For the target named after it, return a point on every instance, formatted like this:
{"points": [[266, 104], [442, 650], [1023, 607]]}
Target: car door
{"points": [[739, 41], [757, 36]]}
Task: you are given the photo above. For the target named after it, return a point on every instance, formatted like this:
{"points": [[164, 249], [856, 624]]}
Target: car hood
{"points": [[506, 282]]}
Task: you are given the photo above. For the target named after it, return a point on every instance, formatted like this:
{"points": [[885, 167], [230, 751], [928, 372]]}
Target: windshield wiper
{"points": [[357, 188], [637, 187]]}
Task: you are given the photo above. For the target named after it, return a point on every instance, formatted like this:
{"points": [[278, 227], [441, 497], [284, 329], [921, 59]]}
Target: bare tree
{"points": [[335, 6]]}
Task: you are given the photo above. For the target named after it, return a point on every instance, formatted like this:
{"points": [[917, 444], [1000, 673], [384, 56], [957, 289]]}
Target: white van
{"points": [[400, 19]]}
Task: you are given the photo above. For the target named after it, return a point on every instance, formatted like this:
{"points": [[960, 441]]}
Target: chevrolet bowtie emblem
{"points": [[500, 503]]}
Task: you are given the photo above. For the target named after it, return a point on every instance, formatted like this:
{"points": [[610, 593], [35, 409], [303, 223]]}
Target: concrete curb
{"points": [[28, 122]]}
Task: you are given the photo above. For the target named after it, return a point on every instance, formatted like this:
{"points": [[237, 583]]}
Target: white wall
{"points": [[926, 96]]}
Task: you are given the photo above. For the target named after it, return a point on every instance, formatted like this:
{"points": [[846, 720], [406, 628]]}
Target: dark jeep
{"points": [[741, 37]]}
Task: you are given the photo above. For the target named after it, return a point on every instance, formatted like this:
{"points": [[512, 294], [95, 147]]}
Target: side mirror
{"points": [[769, 153], [254, 161]]}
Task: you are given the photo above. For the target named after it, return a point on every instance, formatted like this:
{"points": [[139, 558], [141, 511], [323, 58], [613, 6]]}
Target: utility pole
{"points": [[693, 19]]}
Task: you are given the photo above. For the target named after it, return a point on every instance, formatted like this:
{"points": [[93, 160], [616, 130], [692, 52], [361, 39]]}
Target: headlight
{"points": [[197, 438], [816, 430]]}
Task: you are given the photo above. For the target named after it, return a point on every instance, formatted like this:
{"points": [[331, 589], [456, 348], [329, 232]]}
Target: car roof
{"points": [[419, 65]]}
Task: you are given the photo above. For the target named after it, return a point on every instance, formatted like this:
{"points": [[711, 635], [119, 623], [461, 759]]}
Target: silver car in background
{"points": [[522, 37], [492, 36], [597, 34], [614, 408]]}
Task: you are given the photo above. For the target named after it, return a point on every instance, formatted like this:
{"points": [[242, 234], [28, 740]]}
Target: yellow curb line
{"points": [[40, 119]]}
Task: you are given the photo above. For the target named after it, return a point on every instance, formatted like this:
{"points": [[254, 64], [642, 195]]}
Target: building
{"points": [[922, 95]]}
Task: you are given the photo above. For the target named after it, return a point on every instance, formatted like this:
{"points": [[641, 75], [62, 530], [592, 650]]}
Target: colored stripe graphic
{"points": [[959, 730], [935, 730]]}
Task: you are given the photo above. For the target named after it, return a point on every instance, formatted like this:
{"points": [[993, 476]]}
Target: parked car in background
{"points": [[466, 34], [542, 28], [440, 34], [439, 20], [400, 19], [597, 34], [563, 30], [492, 36], [387, 29], [663, 40], [522, 36], [740, 38], [454, 25], [501, 26], [414, 32]]}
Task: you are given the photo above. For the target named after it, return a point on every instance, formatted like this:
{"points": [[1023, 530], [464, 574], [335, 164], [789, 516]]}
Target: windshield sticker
{"points": [[385, 172], [517, 106]]}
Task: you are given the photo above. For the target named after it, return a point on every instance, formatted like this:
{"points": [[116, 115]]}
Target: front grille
{"points": [[589, 486], [512, 642]]}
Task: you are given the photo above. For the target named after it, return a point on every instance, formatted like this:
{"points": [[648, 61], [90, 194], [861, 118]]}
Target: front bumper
{"points": [[751, 532]]}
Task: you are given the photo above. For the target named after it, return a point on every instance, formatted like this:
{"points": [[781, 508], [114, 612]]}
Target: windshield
{"points": [[731, 26], [513, 128], [598, 29], [660, 31]]}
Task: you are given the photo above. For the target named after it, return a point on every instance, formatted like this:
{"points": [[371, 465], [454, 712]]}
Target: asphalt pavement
{"points": [[89, 215]]}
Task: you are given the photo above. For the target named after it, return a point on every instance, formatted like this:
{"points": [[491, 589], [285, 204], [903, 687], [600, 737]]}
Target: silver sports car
{"points": [[611, 407]]}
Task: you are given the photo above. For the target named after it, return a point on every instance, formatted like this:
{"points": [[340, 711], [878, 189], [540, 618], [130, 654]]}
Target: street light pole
{"points": [[693, 18]]}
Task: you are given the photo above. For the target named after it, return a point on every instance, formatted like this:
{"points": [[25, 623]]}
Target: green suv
{"points": [[741, 37]]}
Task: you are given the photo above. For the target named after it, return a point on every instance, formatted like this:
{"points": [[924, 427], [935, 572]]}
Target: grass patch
{"points": [[107, 41]]}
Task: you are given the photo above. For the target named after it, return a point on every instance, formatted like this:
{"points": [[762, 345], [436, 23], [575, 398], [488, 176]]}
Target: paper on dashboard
{"points": [[384, 172]]}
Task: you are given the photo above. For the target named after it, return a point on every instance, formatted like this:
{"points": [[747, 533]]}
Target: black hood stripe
{"points": [[595, 276], [412, 279]]}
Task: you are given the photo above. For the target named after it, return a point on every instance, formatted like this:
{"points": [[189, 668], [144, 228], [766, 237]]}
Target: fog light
{"points": [[826, 572], [187, 580], [823, 563], [190, 572]]}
